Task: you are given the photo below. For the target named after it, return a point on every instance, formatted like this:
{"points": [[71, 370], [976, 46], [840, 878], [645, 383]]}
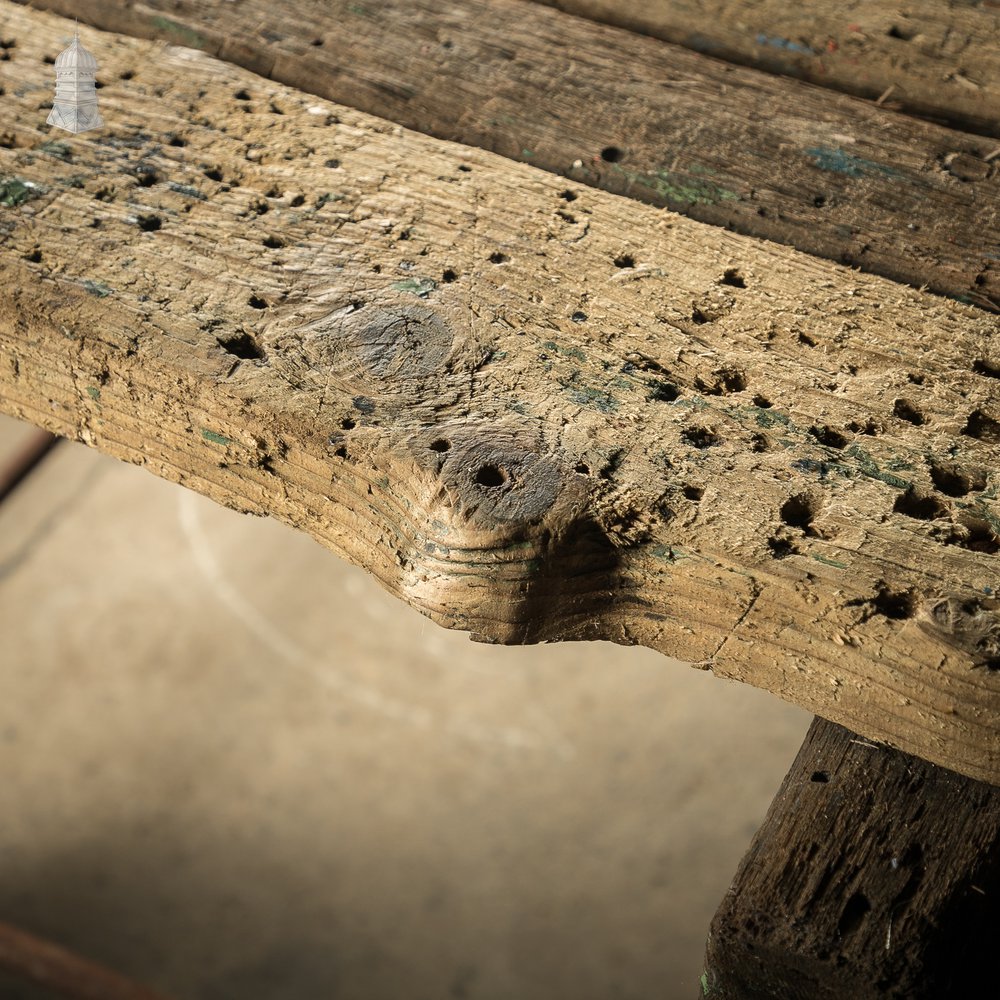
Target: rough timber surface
{"points": [[758, 154], [874, 875], [940, 60], [530, 417]]}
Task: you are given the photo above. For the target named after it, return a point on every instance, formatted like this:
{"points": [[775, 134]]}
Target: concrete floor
{"points": [[235, 768]]}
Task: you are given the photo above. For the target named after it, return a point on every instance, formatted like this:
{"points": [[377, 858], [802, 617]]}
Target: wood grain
{"points": [[874, 875], [758, 154], [530, 417], [940, 60]]}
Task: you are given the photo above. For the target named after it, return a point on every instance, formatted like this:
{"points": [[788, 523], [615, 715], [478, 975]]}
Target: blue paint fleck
{"points": [[839, 162], [777, 42]]}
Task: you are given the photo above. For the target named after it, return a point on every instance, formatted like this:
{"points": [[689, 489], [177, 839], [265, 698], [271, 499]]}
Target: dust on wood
{"points": [[758, 154], [874, 875], [623, 425], [938, 60]]}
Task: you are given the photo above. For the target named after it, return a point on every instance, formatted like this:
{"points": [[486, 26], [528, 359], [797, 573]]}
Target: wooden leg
{"points": [[875, 874]]}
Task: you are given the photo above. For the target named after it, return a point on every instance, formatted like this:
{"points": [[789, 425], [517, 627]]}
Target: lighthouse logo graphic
{"points": [[75, 106]]}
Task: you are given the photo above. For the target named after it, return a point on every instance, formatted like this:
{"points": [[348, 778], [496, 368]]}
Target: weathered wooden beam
{"points": [[928, 58], [758, 154], [533, 410], [874, 875]]}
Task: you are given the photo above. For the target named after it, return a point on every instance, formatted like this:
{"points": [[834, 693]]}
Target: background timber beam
{"points": [[874, 875], [533, 411], [758, 154], [938, 60]]}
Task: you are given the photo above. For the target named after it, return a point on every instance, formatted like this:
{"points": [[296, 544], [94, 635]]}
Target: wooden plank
{"points": [[531, 418], [757, 154], [938, 60], [874, 875]]}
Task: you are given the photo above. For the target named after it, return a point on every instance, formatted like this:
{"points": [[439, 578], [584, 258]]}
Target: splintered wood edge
{"points": [[530, 423], [837, 177]]}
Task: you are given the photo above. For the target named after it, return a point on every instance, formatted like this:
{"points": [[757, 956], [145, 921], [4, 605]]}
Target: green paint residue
{"points": [[527, 153], [359, 9], [769, 418], [327, 197], [60, 150], [97, 288], [215, 438], [598, 399], [186, 190], [568, 352], [837, 161], [868, 467], [183, 34], [14, 191], [704, 984], [93, 392], [418, 286], [678, 188], [829, 562]]}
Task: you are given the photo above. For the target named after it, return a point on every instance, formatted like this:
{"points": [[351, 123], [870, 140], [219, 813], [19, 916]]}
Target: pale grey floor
{"points": [[235, 768]]}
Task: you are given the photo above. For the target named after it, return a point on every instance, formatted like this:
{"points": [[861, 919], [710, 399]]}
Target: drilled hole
{"points": [[441, 445], [982, 426], [853, 914], [147, 177], [761, 401], [176, 140], [905, 410], [870, 426], [241, 95], [663, 392], [568, 195], [149, 223], [297, 200], [760, 442], [490, 476], [448, 276], [698, 316], [895, 603], [465, 168], [821, 777], [34, 256], [332, 163], [273, 242], [986, 368], [317, 42], [726, 380], [781, 547], [800, 511], [341, 452], [241, 345], [498, 258], [828, 436], [256, 302], [347, 424], [126, 75], [955, 481], [213, 174], [819, 200], [922, 508], [612, 154], [579, 317], [582, 468], [701, 437], [974, 534], [903, 34], [694, 493], [625, 260], [733, 278]]}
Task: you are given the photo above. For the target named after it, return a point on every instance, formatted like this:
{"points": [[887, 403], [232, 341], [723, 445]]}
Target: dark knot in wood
{"points": [[490, 473]]}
